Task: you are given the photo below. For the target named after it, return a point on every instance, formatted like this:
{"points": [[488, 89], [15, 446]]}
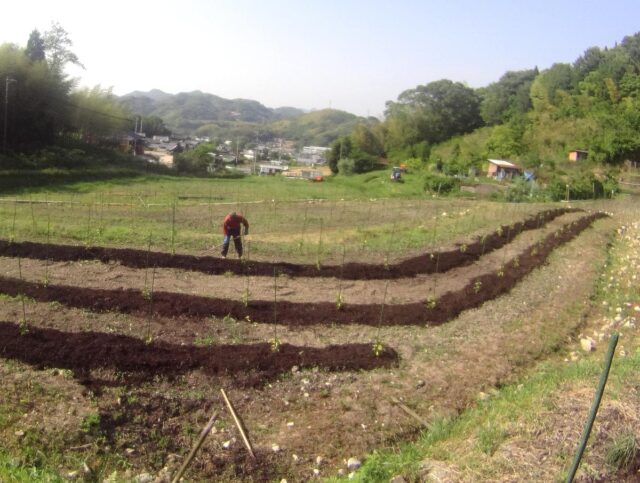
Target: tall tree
{"points": [[35, 47], [58, 48], [507, 97], [437, 111]]}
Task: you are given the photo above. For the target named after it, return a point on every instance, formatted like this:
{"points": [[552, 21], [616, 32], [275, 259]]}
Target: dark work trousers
{"points": [[237, 241]]}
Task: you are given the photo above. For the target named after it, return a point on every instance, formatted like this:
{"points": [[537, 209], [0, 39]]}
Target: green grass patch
{"points": [[486, 424], [13, 470]]}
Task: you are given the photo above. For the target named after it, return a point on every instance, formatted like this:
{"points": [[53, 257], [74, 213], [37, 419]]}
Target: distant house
{"points": [[313, 155], [501, 169], [578, 155], [272, 169]]}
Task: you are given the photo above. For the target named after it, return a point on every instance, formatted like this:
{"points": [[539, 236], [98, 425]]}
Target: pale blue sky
{"points": [[350, 54]]}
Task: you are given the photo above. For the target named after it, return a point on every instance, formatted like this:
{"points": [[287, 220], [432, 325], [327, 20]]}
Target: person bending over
{"points": [[231, 227]]}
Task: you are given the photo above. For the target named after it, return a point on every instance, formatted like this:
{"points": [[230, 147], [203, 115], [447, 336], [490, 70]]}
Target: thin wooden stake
{"points": [[247, 443], [411, 413], [195, 448]]}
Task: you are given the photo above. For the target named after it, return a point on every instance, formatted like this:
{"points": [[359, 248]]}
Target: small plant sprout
{"points": [[463, 248], [477, 286], [500, 272], [24, 327], [275, 344], [146, 293], [378, 347], [516, 262], [431, 302], [245, 297], [339, 301], [499, 231]]}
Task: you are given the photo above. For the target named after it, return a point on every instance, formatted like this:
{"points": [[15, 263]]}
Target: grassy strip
{"points": [[490, 424], [465, 444], [122, 212], [11, 469]]}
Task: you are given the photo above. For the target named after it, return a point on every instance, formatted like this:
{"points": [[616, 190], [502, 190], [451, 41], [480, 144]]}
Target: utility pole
{"points": [[8, 80]]}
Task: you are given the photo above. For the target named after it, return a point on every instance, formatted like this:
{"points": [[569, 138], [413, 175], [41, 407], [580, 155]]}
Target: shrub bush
{"points": [[441, 184], [582, 186], [355, 165]]}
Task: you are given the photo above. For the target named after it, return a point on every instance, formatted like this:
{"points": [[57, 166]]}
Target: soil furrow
{"points": [[97, 275], [477, 291], [248, 363], [435, 262]]}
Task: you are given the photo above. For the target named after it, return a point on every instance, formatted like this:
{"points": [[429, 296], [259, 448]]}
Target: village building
{"points": [[578, 155], [313, 155], [501, 169]]}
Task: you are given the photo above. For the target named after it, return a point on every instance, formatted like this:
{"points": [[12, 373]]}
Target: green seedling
{"points": [[275, 344], [378, 347], [245, 297], [431, 303], [339, 300], [477, 286]]}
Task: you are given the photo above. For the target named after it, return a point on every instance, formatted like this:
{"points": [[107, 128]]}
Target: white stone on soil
{"points": [[353, 463], [587, 344]]}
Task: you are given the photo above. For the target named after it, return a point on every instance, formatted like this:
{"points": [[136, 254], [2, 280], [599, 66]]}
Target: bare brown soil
{"points": [[249, 364], [477, 290], [307, 397]]}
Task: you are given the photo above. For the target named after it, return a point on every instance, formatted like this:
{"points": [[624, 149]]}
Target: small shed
{"points": [[272, 169], [501, 169], [578, 155]]}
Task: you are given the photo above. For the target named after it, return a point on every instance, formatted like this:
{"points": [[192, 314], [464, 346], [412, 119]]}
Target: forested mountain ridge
{"points": [[206, 114], [189, 110]]}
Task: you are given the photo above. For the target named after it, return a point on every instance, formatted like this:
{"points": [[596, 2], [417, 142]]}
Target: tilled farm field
{"points": [[314, 357]]}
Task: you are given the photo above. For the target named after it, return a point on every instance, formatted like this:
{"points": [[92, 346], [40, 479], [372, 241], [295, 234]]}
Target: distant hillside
{"points": [[187, 111], [319, 128], [205, 114]]}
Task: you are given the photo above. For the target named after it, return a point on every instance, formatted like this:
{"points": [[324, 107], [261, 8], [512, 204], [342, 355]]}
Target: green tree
{"points": [[586, 63], [96, 113], [507, 97], [35, 47], [154, 126], [341, 148], [433, 112], [37, 105], [369, 138], [58, 49]]}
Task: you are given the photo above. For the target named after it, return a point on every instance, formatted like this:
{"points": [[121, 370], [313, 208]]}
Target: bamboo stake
{"points": [[245, 439], [594, 407], [195, 448], [411, 413]]}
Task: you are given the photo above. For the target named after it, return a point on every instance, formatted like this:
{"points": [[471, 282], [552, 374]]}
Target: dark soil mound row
{"points": [[477, 291], [247, 363], [427, 263]]}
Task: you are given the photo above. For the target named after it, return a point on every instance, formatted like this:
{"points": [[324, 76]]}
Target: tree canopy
{"points": [[41, 104]]}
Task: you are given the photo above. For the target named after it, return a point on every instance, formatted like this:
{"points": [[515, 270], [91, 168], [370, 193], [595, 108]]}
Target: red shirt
{"points": [[231, 224]]}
